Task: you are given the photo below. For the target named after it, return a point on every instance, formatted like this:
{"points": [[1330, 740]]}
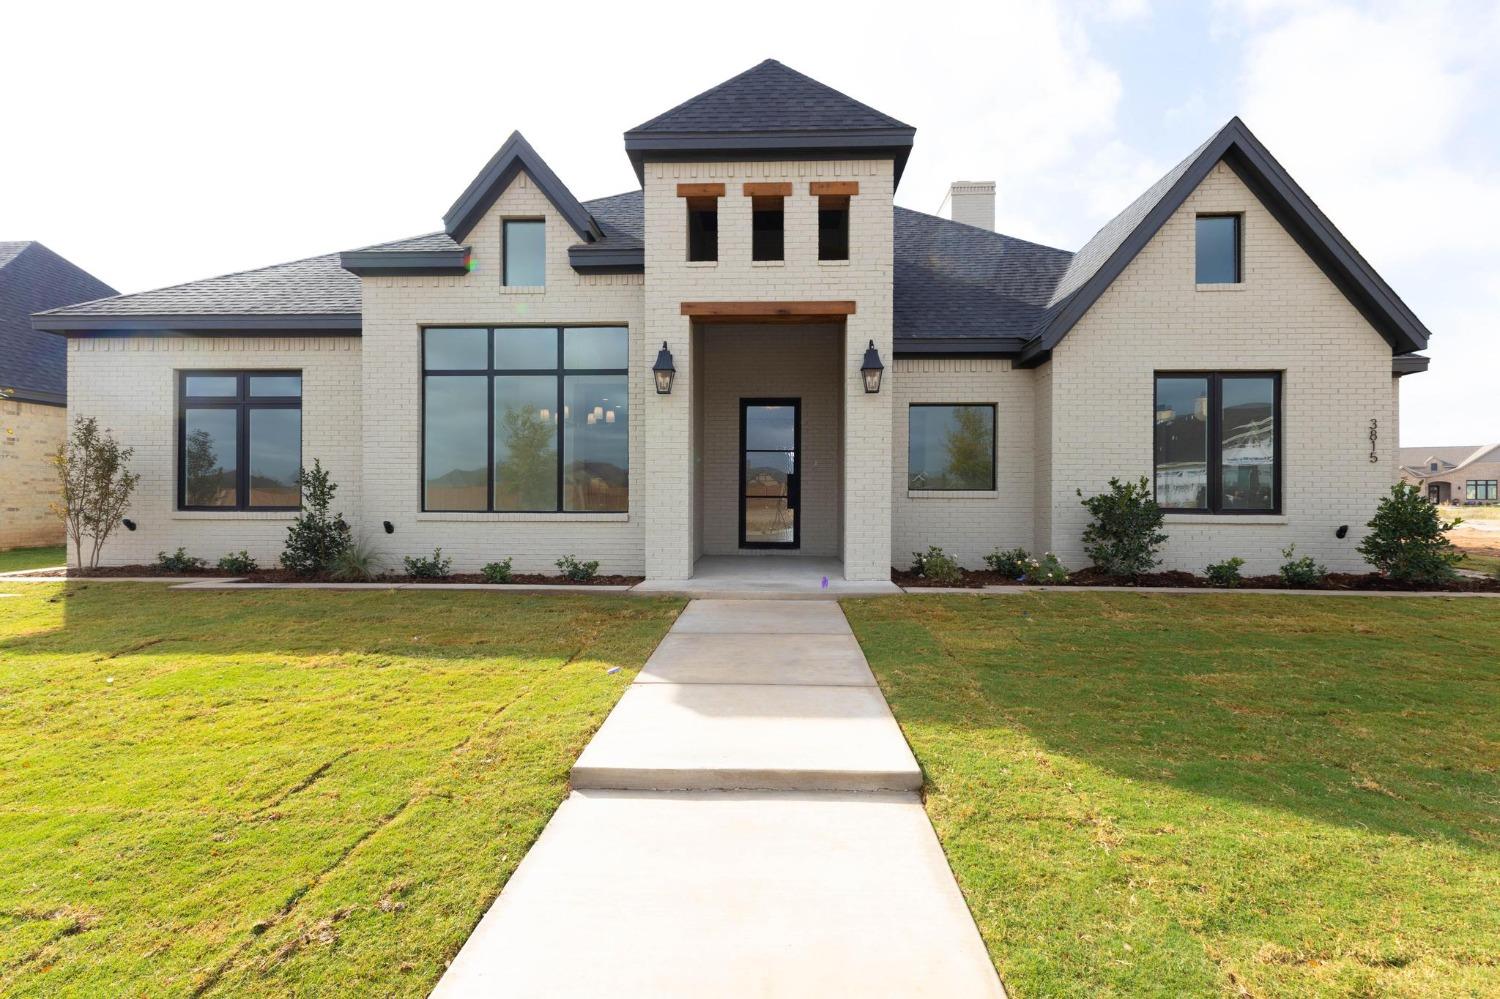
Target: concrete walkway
{"points": [[745, 823]]}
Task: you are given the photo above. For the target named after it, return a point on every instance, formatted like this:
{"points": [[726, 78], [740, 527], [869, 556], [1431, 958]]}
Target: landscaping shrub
{"points": [[357, 563], [238, 563], [1125, 533], [1047, 569], [1304, 571], [1225, 573], [178, 561], [496, 572], [94, 484], [421, 567], [1408, 539], [576, 571], [316, 538], [936, 566], [1011, 564]]}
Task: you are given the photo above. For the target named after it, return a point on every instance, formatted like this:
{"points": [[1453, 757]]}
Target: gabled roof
{"points": [[769, 110], [310, 295], [32, 277], [1418, 460], [510, 159], [1107, 254]]}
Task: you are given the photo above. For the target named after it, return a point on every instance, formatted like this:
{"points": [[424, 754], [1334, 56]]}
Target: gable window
{"points": [[526, 419], [1481, 490], [1218, 249], [1218, 442], [525, 253], [950, 447], [239, 440], [768, 228], [703, 229], [1432, 467]]}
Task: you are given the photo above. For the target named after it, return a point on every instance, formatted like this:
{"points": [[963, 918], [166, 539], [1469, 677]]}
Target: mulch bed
{"points": [[283, 576], [979, 578]]}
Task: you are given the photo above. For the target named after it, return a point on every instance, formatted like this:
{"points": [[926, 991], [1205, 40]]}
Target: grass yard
{"points": [[45, 557], [277, 793], [1211, 795]]}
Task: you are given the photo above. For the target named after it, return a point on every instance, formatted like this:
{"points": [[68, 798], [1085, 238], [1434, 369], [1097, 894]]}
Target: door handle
{"points": [[793, 489]]}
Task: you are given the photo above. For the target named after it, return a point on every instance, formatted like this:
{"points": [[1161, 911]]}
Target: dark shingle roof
{"points": [[769, 97], [32, 277], [620, 216], [955, 282], [315, 286]]}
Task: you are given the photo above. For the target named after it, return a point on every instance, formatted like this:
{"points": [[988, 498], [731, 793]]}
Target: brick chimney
{"points": [[971, 202]]}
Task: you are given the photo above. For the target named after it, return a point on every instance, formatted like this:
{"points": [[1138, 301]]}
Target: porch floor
{"points": [[747, 577]]}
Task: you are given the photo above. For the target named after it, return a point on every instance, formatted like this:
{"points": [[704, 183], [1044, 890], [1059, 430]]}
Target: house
{"points": [[33, 387], [758, 353], [1462, 475]]}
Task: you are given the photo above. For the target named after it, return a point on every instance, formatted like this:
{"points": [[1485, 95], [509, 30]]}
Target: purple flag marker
{"points": [[825, 582]]}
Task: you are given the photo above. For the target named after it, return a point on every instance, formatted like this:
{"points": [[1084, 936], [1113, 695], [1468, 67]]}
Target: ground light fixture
{"points": [[664, 371], [872, 369]]}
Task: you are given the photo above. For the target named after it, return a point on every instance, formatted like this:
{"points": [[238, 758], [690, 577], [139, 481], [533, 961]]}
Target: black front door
{"points": [[770, 486]]}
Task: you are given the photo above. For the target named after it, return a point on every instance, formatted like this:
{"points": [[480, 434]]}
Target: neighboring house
{"points": [[489, 388], [1461, 475], [33, 387]]}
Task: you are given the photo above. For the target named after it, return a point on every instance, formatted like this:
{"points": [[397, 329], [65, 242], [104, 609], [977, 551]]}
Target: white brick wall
{"points": [[671, 430], [395, 310], [798, 362], [1286, 316], [966, 525], [130, 385]]}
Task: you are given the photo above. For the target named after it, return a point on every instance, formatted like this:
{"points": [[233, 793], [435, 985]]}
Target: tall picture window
{"points": [[239, 440], [526, 419], [1218, 442]]}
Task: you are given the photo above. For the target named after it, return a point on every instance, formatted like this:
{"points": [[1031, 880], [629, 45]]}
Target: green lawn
{"points": [[17, 559], [1211, 795], [277, 793], [1482, 563]]}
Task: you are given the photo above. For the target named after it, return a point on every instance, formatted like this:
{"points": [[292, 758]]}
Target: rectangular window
{"points": [[1481, 490], [833, 227], [239, 440], [1218, 442], [703, 229], [1217, 246], [525, 253], [950, 447], [526, 419], [768, 228]]}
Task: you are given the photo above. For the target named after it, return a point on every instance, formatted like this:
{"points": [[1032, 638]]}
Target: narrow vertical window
{"points": [[525, 253], [768, 228], [703, 229], [1182, 443], [833, 227], [1218, 249]]}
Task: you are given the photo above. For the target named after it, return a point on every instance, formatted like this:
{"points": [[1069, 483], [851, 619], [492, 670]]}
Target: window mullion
{"points": [[1215, 445], [557, 414]]}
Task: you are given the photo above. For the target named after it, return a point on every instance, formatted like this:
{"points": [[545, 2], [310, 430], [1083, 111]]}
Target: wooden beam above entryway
{"points": [[751, 312]]}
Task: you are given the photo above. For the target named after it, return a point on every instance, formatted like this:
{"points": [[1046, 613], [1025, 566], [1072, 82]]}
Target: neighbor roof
{"points": [[769, 110], [32, 277], [1113, 247]]}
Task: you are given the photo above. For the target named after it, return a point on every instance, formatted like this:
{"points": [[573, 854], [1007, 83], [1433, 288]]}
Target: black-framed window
{"points": [[950, 446], [1217, 442], [1218, 248], [526, 419], [239, 440], [767, 228], [833, 227], [525, 253], [1481, 490]]}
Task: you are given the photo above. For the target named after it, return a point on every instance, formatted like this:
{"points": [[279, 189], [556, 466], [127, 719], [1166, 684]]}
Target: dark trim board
{"points": [[395, 263], [36, 398], [818, 144], [510, 159], [333, 323], [600, 259]]}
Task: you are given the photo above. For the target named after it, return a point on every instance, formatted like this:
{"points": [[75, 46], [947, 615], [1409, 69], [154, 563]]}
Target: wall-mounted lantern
{"points": [[872, 369], [664, 371]]}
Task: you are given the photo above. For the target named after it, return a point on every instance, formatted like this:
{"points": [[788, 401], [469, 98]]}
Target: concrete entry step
{"points": [[728, 894], [762, 617], [820, 660], [730, 736]]}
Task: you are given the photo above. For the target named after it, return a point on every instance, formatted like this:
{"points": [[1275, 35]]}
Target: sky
{"points": [[153, 143]]}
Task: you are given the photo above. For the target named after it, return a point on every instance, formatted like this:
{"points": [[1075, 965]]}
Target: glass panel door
{"points": [[770, 486]]}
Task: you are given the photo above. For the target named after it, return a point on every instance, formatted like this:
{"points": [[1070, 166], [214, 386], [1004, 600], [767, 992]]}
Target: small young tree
{"points": [[316, 538], [1126, 530], [1408, 539], [94, 486]]}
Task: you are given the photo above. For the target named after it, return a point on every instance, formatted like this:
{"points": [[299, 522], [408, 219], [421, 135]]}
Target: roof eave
{"points": [[388, 263], [820, 144], [971, 346], [588, 258], [324, 323], [1409, 364]]}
